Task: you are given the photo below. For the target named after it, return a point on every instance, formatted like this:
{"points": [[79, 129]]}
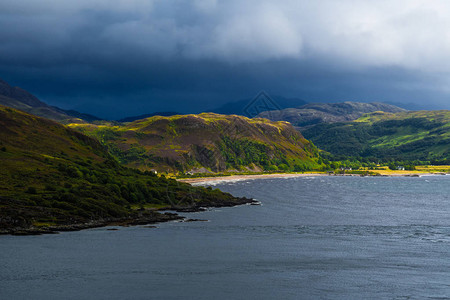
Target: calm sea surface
{"points": [[312, 238]]}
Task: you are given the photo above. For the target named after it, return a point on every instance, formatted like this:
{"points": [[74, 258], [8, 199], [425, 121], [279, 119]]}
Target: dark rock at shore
{"points": [[188, 209], [156, 218], [202, 206], [142, 217], [195, 220]]}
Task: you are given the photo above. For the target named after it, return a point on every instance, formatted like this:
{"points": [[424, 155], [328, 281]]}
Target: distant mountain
{"points": [[79, 115], [18, 98], [53, 177], [409, 105], [411, 135], [205, 143], [144, 116], [243, 107], [316, 113]]}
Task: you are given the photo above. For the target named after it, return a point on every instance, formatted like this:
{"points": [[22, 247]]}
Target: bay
{"points": [[312, 238]]}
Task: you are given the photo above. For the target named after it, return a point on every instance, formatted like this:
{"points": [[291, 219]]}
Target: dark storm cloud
{"points": [[116, 58]]}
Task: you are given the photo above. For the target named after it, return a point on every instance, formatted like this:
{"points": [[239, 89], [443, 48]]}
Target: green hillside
{"points": [[412, 135], [52, 175], [208, 142]]}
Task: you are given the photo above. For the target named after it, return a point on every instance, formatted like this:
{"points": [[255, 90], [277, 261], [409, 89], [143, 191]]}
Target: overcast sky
{"points": [[127, 57]]}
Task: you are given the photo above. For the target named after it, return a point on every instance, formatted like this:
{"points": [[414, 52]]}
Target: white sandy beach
{"points": [[244, 177], [290, 175]]}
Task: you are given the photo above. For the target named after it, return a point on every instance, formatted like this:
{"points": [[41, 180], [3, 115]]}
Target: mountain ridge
{"points": [[315, 113], [210, 142], [239, 107], [144, 116]]}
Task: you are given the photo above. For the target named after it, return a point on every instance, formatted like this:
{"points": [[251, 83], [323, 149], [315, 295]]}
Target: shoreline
{"points": [[145, 217], [154, 217], [295, 175], [245, 177]]}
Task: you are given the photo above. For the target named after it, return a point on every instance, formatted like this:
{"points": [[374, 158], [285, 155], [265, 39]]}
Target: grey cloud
{"points": [[155, 53], [410, 34]]}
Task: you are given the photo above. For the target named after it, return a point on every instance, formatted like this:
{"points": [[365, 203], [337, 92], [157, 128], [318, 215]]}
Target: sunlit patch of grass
{"points": [[43, 224], [402, 137], [398, 172], [419, 170], [444, 169]]}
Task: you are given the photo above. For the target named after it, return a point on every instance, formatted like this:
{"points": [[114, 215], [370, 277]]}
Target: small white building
{"points": [[345, 169]]}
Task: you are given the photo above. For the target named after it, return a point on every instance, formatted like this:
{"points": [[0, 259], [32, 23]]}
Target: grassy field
{"points": [[419, 170]]}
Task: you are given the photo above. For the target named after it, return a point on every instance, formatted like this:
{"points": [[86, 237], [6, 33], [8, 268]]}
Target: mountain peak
{"points": [[19, 94], [21, 99]]}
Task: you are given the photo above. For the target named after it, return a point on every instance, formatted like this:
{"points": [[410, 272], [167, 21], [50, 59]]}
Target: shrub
{"points": [[50, 188], [283, 167], [31, 190], [272, 168]]}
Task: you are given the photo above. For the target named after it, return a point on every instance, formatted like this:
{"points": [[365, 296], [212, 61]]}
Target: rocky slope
{"points": [[205, 143]]}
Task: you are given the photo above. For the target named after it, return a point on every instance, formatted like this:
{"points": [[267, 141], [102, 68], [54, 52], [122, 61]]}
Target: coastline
{"points": [[141, 217], [150, 216], [200, 180], [245, 177]]}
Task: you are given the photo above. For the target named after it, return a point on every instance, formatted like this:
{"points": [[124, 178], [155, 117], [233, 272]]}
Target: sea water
{"points": [[311, 238]]}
